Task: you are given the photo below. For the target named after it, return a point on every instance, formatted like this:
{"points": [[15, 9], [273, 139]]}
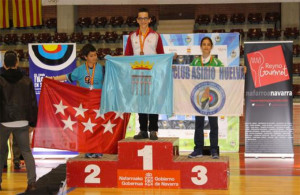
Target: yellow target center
{"points": [[50, 47]]}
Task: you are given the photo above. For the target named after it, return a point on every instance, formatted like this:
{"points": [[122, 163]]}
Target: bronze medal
{"points": [[90, 79], [142, 38]]}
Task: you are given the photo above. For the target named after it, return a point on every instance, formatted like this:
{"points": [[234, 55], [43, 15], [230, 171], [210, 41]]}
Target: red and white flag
{"points": [[27, 13], [69, 119]]}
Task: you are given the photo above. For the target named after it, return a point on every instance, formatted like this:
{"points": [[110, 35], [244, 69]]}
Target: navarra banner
{"points": [[138, 84], [69, 119], [269, 99], [224, 85], [49, 59]]}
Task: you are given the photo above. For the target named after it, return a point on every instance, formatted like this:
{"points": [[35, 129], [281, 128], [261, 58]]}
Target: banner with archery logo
{"points": [[50, 59], [213, 91], [138, 84]]}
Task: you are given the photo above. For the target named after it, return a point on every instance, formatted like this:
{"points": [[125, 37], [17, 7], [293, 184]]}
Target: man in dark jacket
{"points": [[15, 148], [18, 113]]}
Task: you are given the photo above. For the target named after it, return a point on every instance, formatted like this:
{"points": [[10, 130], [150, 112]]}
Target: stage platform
{"points": [[246, 177], [148, 164]]}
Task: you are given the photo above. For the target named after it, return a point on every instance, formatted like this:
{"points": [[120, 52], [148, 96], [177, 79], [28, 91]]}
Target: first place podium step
{"points": [[148, 164]]}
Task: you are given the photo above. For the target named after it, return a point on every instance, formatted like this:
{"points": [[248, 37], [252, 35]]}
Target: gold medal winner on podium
{"points": [[145, 41]]}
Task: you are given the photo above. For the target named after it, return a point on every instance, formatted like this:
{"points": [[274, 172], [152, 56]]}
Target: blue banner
{"points": [[47, 59], [138, 84]]}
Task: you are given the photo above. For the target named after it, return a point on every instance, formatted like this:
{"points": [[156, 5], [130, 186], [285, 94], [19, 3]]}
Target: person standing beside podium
{"points": [[18, 114], [145, 41], [16, 152]]}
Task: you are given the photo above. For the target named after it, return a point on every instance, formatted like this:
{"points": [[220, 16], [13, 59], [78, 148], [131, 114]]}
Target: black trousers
{"points": [[22, 137], [152, 118], [16, 152], [199, 133]]}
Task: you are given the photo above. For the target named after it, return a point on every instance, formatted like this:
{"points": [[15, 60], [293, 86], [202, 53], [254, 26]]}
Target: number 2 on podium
{"points": [[92, 178]]}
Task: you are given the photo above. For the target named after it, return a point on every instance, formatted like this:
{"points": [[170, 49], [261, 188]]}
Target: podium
{"points": [[148, 164]]}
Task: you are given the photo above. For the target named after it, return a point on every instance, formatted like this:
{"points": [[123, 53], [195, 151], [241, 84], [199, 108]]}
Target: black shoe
{"points": [[31, 187], [141, 135], [17, 166], [5, 167], [215, 155], [195, 154], [99, 155], [90, 155], [153, 135]]}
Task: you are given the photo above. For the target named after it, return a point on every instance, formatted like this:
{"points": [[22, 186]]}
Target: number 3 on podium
{"points": [[201, 178]]}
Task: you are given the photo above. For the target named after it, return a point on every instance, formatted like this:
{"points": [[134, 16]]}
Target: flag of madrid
{"points": [[69, 119]]}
